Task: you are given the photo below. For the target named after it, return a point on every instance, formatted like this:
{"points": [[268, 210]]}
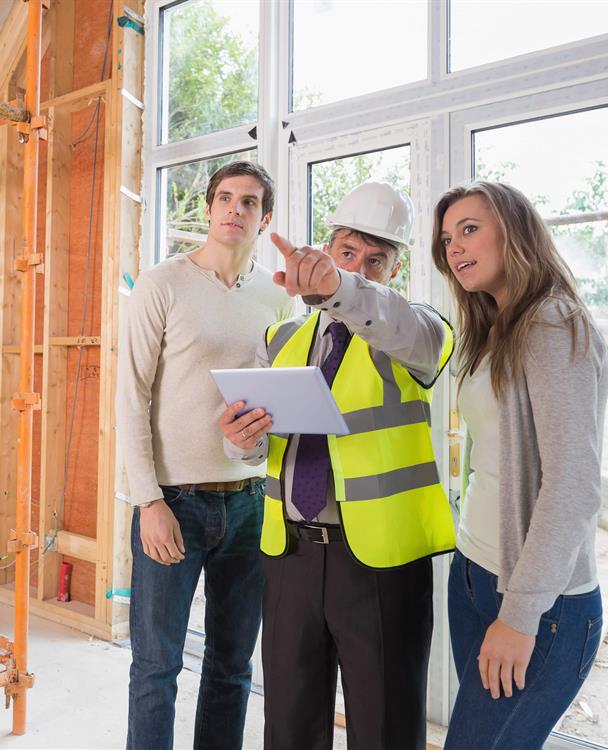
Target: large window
{"points": [[210, 67], [484, 32], [343, 49]]}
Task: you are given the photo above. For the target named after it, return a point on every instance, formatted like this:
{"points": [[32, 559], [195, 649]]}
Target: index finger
{"points": [[231, 411], [283, 245]]}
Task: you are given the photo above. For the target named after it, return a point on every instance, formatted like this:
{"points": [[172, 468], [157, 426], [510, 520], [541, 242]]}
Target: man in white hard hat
{"points": [[351, 522]]}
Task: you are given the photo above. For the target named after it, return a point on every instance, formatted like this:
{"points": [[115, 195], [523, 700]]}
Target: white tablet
{"points": [[298, 398]]}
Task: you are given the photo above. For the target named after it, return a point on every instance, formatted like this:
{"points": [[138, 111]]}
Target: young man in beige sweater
{"points": [[194, 508]]}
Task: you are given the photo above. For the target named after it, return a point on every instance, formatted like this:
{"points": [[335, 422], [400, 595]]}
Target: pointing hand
{"points": [[308, 271]]}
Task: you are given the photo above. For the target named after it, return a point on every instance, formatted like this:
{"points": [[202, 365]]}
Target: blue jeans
{"points": [[567, 642], [221, 534]]}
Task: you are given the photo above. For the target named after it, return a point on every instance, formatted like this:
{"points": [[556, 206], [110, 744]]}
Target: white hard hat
{"points": [[378, 209]]}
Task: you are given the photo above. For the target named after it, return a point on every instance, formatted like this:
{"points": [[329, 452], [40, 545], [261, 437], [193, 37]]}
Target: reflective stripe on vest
{"points": [[391, 504]]}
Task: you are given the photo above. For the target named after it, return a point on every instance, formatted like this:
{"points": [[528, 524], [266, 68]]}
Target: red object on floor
{"points": [[65, 579]]}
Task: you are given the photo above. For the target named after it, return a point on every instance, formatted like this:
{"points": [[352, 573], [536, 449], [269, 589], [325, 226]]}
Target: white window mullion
{"points": [[150, 129], [203, 146], [269, 130]]}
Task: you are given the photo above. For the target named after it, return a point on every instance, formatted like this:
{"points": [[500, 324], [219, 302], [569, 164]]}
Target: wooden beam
{"points": [[77, 545], [61, 48], [56, 341], [80, 98], [55, 359], [121, 253], [16, 349], [75, 341], [11, 175], [14, 75], [12, 41], [55, 322], [73, 614]]}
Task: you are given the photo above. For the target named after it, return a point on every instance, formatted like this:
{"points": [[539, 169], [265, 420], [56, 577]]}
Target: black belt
{"points": [[316, 534]]}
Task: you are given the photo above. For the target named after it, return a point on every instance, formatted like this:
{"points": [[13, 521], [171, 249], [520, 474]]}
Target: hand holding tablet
{"points": [[297, 400]]}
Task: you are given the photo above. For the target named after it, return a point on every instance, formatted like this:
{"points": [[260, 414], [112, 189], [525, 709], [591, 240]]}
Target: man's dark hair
{"points": [[369, 239], [249, 169]]}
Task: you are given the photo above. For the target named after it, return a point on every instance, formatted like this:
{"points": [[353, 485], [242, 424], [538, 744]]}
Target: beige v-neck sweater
{"points": [[183, 321]]}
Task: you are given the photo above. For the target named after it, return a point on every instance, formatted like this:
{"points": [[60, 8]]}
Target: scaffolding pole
{"points": [[22, 539]]}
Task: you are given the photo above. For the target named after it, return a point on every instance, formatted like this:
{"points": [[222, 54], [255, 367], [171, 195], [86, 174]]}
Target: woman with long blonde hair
{"points": [[524, 603]]}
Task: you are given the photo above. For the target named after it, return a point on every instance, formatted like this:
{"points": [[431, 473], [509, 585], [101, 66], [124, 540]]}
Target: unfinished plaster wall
{"points": [[88, 233], [90, 35]]}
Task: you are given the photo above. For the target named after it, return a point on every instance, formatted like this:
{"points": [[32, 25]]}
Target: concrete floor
{"points": [[79, 700], [80, 696]]}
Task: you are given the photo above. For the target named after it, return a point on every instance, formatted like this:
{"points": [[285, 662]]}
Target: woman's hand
{"points": [[504, 656]]}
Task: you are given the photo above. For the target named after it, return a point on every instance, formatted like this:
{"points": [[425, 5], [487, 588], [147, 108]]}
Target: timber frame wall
{"points": [[94, 526]]}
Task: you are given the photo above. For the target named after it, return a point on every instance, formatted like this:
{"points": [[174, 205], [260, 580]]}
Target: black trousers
{"points": [[321, 609]]}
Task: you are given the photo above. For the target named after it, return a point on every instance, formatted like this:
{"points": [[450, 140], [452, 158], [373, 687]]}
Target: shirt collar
{"points": [[324, 322], [243, 278]]}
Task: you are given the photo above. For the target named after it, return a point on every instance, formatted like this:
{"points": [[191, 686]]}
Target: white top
{"points": [[182, 321], [478, 531]]}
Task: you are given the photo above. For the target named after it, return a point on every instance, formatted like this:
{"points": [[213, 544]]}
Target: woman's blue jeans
{"points": [[221, 534], [567, 642]]}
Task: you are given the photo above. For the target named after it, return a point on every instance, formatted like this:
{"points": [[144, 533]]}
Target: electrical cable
{"points": [[80, 138]]}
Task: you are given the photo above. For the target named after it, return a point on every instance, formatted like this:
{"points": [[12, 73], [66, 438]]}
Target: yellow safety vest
{"points": [[391, 504]]}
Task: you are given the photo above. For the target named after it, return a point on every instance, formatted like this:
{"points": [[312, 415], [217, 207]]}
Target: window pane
{"points": [[343, 49], [210, 67], [483, 32], [183, 225], [331, 180], [560, 164]]}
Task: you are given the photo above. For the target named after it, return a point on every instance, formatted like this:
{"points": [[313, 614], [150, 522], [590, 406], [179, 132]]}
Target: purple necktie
{"points": [[312, 465]]}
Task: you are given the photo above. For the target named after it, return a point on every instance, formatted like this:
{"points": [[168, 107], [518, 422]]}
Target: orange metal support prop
{"points": [[26, 400]]}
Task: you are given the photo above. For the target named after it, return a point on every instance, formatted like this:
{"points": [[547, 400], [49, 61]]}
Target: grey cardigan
{"points": [[549, 467]]}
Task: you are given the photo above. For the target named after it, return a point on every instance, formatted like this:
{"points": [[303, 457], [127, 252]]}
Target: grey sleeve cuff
{"points": [[252, 456], [344, 298], [521, 611]]}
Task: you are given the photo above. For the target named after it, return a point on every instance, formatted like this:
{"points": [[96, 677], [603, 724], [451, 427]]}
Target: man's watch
{"points": [[147, 505]]}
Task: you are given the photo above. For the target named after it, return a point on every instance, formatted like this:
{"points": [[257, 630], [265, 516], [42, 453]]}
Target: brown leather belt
{"points": [[237, 486]]}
